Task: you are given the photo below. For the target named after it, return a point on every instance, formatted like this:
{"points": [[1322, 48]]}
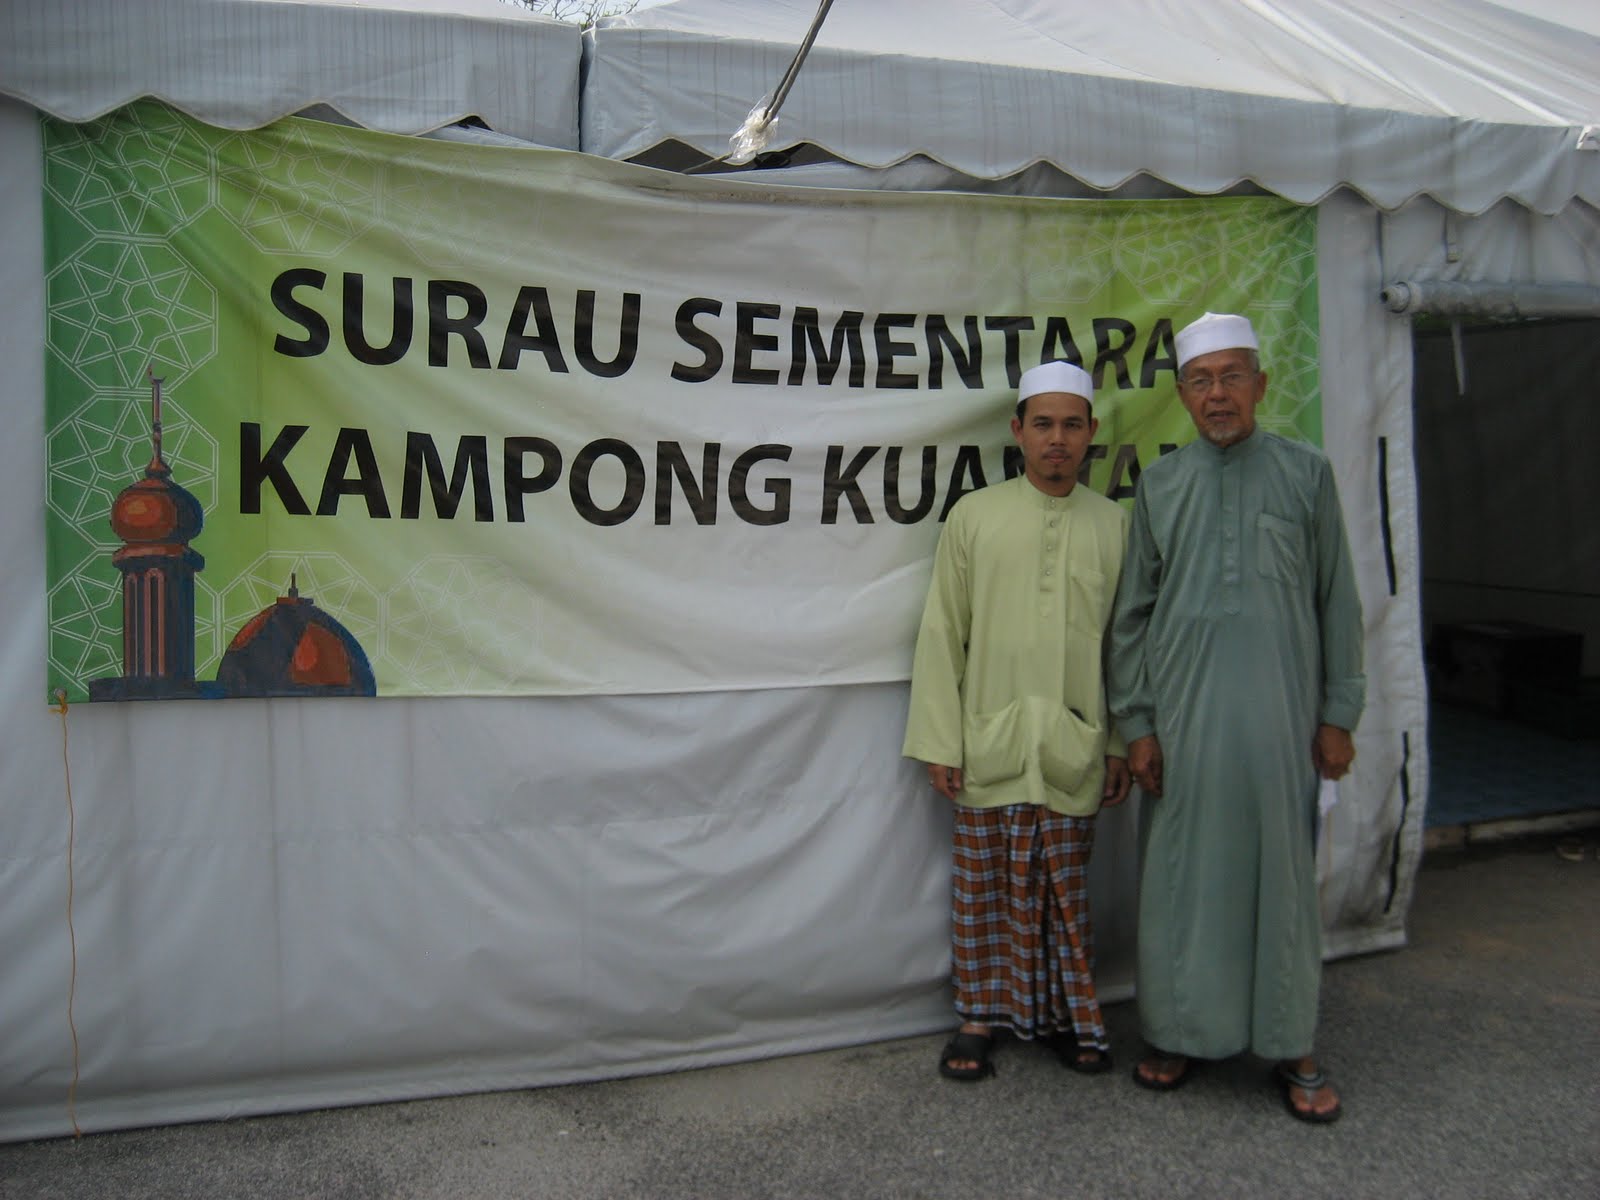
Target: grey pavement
{"points": [[1469, 1064]]}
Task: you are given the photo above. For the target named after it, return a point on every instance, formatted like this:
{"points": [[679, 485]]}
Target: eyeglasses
{"points": [[1233, 381]]}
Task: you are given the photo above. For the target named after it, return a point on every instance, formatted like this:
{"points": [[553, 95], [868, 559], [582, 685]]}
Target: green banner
{"points": [[453, 419]]}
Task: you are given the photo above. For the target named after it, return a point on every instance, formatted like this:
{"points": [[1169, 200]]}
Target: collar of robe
{"points": [[1238, 450]]}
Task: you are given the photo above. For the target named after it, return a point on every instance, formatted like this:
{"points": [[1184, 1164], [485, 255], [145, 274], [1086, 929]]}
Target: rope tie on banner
{"points": [[72, 937], [751, 138]]}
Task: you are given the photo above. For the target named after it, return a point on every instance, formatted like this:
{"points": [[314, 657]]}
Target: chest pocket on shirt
{"points": [[1088, 600], [1280, 549]]}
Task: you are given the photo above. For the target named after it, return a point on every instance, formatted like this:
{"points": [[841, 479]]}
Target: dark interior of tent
{"points": [[1507, 428]]}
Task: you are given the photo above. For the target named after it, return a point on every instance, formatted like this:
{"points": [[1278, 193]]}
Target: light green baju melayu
{"points": [[1237, 632], [1008, 680]]}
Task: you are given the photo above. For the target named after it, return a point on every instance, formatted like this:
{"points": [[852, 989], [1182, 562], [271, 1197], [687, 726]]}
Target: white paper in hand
{"points": [[1327, 796]]}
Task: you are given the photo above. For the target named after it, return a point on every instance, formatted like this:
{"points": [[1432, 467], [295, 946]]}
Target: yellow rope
{"points": [[72, 937]]}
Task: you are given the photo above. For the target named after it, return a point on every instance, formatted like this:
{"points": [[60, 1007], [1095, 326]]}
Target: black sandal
{"points": [[965, 1047], [1292, 1081], [1086, 1060]]}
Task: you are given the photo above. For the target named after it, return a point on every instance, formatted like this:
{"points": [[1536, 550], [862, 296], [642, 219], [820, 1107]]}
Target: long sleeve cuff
{"points": [[1342, 702], [1341, 714], [1136, 725]]}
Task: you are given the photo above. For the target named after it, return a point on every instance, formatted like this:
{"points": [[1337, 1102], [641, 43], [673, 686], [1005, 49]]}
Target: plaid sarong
{"points": [[1022, 947]]}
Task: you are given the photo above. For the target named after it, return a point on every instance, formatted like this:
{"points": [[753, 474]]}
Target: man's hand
{"points": [[1144, 761], [1118, 781], [1332, 751], [945, 780]]}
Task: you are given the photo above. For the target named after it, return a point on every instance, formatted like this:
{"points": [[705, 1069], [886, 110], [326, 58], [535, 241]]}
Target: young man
{"points": [[1008, 711], [1236, 678]]}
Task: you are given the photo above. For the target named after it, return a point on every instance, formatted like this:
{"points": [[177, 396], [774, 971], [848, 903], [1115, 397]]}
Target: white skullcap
{"points": [[1055, 377], [1215, 331]]}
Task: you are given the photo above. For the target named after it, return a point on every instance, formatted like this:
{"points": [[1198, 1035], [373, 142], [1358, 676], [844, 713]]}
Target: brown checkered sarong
{"points": [[1021, 944]]}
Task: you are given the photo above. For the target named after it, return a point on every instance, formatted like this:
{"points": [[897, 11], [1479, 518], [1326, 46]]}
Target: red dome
{"points": [[294, 648], [156, 510]]}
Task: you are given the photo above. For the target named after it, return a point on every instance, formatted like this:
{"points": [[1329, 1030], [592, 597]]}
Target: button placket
{"points": [[1229, 523]]}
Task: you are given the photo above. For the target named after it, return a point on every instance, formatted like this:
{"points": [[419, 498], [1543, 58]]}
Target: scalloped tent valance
{"points": [[400, 66], [1465, 101]]}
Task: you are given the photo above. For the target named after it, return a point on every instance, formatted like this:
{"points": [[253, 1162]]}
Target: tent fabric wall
{"points": [[402, 66], [1468, 102]]}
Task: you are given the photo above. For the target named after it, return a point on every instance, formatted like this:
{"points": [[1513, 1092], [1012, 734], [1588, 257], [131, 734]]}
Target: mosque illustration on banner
{"points": [[289, 648]]}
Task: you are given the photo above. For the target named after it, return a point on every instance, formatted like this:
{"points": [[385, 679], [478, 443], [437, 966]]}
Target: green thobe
{"points": [[1237, 632], [1008, 679]]}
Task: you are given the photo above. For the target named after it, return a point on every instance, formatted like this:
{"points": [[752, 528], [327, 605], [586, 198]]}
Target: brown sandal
{"points": [[1161, 1064]]}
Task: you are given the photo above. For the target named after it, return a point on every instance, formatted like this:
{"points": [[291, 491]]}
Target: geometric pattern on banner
{"points": [[121, 177], [448, 602], [118, 306], [322, 195]]}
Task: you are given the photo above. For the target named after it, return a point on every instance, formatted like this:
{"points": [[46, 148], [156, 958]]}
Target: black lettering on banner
{"points": [[256, 468], [888, 349], [632, 492], [441, 324], [1011, 464], [518, 485], [1011, 328], [700, 493], [805, 333], [968, 464], [627, 336], [836, 483], [1113, 352], [400, 320], [357, 444], [472, 457], [309, 319], [891, 486], [1125, 463], [710, 349], [1160, 353], [746, 341], [1059, 343], [778, 489], [1095, 453], [545, 341], [968, 358]]}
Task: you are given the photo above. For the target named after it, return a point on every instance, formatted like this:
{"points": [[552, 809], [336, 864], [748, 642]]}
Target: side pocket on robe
{"points": [[1068, 749], [995, 749]]}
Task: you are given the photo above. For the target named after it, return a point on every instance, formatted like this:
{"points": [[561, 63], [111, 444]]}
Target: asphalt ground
{"points": [[1469, 1064]]}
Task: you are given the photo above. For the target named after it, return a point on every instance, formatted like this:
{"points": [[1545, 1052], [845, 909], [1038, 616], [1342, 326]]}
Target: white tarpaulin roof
{"points": [[401, 66], [1465, 101]]}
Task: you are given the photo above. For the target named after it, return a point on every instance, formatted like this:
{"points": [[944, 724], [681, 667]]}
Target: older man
{"points": [[1235, 675], [1008, 712]]}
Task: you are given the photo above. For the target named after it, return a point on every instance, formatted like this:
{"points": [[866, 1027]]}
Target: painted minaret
{"points": [[156, 520]]}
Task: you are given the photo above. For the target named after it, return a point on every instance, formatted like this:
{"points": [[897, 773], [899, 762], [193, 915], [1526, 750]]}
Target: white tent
{"points": [[403, 66], [680, 880], [1469, 103]]}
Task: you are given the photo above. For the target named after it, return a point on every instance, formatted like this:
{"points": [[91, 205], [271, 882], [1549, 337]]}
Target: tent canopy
{"points": [[1465, 101], [401, 66]]}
